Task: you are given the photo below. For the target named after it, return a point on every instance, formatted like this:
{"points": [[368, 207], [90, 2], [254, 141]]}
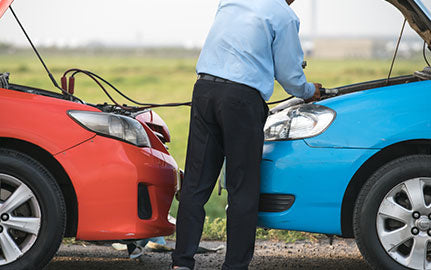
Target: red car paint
{"points": [[106, 188], [4, 5], [104, 172], [156, 122]]}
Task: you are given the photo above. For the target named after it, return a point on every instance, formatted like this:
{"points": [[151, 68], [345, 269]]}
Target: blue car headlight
{"points": [[114, 126], [298, 122]]}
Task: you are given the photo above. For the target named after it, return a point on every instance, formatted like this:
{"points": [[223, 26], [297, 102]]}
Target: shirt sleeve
{"points": [[288, 58]]}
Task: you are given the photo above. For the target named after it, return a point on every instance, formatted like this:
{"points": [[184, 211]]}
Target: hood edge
{"points": [[414, 21]]}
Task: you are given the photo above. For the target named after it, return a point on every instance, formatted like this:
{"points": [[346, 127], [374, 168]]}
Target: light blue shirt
{"points": [[254, 41]]}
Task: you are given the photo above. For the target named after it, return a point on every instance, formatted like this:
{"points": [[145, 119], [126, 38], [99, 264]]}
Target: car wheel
{"points": [[32, 213], [392, 216]]}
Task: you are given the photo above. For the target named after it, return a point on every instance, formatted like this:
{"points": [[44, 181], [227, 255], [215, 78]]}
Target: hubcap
{"points": [[20, 218], [403, 223], [423, 223]]}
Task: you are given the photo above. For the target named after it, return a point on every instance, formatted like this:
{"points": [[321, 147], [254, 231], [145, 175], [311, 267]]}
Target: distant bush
{"points": [[22, 68], [4, 47]]}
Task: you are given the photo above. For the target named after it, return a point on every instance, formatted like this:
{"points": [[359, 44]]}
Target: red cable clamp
{"points": [[71, 85], [64, 83]]}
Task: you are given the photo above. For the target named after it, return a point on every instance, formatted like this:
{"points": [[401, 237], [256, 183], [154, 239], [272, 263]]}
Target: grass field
{"points": [[161, 80]]}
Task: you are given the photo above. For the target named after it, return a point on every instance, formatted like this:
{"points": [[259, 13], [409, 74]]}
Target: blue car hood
{"points": [[379, 117]]}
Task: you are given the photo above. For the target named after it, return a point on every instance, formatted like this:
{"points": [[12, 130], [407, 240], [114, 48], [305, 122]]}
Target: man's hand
{"points": [[316, 95]]}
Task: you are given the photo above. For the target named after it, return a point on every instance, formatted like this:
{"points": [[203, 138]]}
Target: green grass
{"points": [[215, 229], [162, 80]]}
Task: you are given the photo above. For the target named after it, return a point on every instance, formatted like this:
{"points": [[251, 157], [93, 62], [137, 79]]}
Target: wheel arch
{"points": [[379, 159], [59, 174]]}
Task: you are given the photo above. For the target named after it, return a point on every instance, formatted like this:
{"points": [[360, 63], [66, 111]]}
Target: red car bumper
{"points": [[106, 174]]}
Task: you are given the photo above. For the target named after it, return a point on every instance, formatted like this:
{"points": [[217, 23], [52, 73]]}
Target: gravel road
{"points": [[342, 254]]}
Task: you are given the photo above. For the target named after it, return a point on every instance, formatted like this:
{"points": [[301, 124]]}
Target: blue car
{"points": [[357, 163]]}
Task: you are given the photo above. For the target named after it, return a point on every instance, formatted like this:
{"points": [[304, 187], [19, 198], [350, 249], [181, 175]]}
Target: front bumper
{"points": [[316, 177], [107, 176]]}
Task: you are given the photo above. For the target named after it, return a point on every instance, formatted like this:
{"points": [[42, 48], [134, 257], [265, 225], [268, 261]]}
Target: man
{"points": [[250, 43]]}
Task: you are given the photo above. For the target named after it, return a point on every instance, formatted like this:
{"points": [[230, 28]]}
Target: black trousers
{"points": [[226, 121]]}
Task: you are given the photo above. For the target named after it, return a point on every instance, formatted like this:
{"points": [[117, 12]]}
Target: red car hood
{"points": [[4, 4]]}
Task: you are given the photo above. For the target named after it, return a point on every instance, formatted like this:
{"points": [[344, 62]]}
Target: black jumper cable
{"points": [[67, 86]]}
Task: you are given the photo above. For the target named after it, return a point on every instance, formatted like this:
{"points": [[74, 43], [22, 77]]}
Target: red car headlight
{"points": [[114, 126]]}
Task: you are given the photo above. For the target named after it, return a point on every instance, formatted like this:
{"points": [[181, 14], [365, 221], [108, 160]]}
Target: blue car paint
{"points": [[378, 117], [318, 170], [317, 177]]}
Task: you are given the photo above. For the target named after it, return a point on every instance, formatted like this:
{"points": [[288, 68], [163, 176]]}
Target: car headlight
{"points": [[114, 126], [298, 122]]}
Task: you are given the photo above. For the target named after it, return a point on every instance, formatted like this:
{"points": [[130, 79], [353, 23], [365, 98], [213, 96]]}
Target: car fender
{"points": [[40, 120], [377, 118]]}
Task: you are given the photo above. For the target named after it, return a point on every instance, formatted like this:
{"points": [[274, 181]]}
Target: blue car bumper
{"points": [[317, 177]]}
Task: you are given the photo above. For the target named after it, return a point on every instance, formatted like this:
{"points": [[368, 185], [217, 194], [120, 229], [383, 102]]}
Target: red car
{"points": [[94, 172]]}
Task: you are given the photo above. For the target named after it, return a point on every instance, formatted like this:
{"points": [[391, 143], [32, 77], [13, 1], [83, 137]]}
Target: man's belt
{"points": [[208, 77]]}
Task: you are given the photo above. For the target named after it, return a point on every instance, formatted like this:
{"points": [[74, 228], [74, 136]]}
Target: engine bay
{"points": [[425, 74], [4, 80], [105, 107]]}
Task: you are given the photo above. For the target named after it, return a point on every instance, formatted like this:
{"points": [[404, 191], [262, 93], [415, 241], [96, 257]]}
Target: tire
{"points": [[28, 191], [392, 215]]}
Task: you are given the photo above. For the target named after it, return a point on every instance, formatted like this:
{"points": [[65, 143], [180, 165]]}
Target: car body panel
{"points": [[36, 119], [106, 184], [149, 125], [104, 172], [4, 5], [318, 170], [378, 118], [292, 167], [151, 118]]}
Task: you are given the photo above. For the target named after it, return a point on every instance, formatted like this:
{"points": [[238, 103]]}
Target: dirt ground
{"points": [[342, 254]]}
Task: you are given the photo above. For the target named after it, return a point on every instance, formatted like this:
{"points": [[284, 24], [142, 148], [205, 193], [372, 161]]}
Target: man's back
{"points": [[239, 46]]}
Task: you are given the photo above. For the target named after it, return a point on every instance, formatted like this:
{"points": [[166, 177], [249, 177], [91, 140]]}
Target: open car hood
{"points": [[4, 5], [418, 16]]}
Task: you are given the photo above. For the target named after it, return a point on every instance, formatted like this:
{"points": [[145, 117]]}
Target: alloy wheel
{"points": [[404, 223], [20, 218]]}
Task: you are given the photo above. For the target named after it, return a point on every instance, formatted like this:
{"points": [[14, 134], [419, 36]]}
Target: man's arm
{"points": [[288, 58]]}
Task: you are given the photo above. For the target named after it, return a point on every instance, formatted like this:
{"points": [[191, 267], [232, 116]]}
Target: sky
{"points": [[174, 22]]}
